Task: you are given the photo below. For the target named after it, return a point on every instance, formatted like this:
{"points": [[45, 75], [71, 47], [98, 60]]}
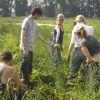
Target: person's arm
{"points": [[39, 34], [57, 28], [23, 35], [24, 27], [71, 46], [86, 53]]}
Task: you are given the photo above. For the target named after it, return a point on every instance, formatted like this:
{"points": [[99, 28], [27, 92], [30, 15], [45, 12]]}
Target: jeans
{"points": [[77, 59], [56, 55], [26, 65]]}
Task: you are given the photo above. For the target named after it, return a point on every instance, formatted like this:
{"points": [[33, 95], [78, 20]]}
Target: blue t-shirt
{"points": [[60, 39]]}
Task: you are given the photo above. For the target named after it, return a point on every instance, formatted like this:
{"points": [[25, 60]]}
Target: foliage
{"points": [[5, 7], [48, 82], [20, 7]]}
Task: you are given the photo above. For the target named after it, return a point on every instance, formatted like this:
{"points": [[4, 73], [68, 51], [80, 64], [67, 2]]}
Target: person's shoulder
{"points": [[57, 27], [83, 42], [26, 20], [88, 26], [92, 38], [9, 68]]}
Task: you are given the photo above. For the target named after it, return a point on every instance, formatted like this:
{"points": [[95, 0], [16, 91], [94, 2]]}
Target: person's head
{"points": [[80, 18], [36, 12], [81, 33], [60, 19], [6, 56]]}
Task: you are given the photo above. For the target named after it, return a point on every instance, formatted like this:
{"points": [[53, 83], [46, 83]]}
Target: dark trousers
{"points": [[26, 65], [78, 58]]}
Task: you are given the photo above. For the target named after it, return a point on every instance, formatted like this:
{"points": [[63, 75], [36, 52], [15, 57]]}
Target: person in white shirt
{"points": [[28, 29], [78, 57]]}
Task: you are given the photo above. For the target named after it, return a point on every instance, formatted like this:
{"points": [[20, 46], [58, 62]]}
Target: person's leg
{"points": [[30, 61], [24, 67], [53, 54], [2, 88], [76, 62], [59, 59]]}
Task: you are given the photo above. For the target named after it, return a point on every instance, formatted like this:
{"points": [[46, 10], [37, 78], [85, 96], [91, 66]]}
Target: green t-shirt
{"points": [[92, 45]]}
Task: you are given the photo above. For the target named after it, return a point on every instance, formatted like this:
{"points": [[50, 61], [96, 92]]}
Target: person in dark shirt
{"points": [[58, 39], [90, 47]]}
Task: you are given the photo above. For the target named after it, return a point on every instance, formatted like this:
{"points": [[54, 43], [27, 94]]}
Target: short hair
{"points": [[6, 56], [36, 10]]}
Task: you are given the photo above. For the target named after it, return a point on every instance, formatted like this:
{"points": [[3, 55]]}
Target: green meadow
{"points": [[49, 82]]}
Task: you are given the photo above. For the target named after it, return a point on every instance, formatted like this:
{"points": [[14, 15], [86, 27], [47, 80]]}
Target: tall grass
{"points": [[48, 81]]}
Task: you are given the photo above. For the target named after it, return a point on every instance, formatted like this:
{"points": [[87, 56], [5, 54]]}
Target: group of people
{"points": [[86, 48], [82, 41]]}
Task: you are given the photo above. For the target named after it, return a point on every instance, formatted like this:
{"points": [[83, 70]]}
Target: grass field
{"points": [[49, 82]]}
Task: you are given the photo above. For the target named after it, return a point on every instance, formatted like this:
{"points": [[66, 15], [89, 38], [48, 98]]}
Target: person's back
{"points": [[92, 44], [8, 72], [89, 30]]}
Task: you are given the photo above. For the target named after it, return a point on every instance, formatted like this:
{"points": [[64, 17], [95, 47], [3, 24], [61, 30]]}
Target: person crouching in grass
{"points": [[8, 74]]}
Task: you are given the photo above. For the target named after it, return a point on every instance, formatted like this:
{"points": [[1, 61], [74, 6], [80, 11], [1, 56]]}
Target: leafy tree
{"points": [[61, 7], [20, 7], [49, 8], [97, 7], [5, 7], [33, 3]]}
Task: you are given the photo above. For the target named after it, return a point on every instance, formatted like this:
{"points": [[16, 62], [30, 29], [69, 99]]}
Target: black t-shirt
{"points": [[92, 45]]}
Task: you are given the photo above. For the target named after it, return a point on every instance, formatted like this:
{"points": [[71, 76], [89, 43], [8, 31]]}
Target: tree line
{"points": [[70, 8]]}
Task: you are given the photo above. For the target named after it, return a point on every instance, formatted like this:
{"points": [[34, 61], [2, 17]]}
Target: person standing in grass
{"points": [[58, 39], [28, 29], [78, 56], [90, 47]]}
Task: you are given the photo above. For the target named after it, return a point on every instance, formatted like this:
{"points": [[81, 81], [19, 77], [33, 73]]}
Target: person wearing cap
{"points": [[78, 56], [58, 39], [92, 56], [28, 29]]}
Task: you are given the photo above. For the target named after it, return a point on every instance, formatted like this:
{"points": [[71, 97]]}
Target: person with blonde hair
{"points": [[78, 56], [90, 47], [58, 39]]}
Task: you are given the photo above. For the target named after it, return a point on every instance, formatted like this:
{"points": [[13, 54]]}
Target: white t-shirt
{"points": [[74, 38], [30, 28]]}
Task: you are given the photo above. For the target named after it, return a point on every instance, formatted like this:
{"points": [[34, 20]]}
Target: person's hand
{"points": [[56, 45], [25, 53], [23, 85], [91, 63]]}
